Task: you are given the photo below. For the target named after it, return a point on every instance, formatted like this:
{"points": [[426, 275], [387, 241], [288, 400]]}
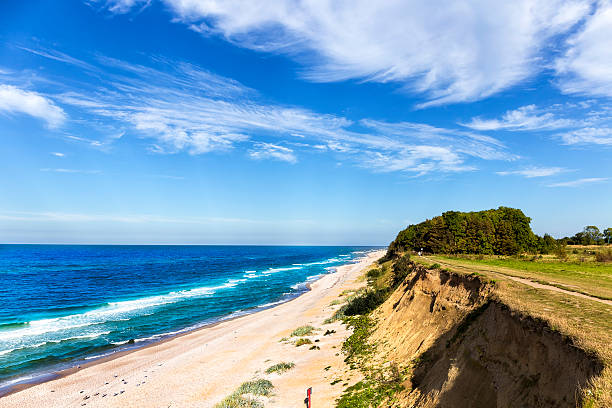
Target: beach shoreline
{"points": [[77, 385]]}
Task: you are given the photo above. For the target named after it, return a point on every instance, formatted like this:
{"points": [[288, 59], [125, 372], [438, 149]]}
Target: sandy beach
{"points": [[200, 368]]}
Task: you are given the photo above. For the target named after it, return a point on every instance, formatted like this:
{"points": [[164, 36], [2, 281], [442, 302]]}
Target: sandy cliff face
{"points": [[467, 349]]}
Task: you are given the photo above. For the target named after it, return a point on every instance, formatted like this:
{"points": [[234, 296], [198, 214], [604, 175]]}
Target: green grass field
{"points": [[589, 277]]}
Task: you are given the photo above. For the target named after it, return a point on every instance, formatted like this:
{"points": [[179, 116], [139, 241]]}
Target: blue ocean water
{"points": [[63, 304]]}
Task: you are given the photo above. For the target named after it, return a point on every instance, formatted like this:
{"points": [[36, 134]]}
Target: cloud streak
{"points": [[532, 172], [179, 107], [271, 151], [579, 182], [15, 100], [521, 119]]}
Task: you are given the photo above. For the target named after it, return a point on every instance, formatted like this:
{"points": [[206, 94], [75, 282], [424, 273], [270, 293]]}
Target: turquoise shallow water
{"points": [[64, 304]]}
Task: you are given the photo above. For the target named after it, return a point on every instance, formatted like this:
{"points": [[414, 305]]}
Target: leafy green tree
{"points": [[592, 234], [607, 233], [498, 231]]}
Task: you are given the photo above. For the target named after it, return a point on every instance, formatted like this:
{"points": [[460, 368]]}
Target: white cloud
{"points": [[524, 118], [460, 52], [15, 100], [532, 172], [58, 154], [181, 108], [588, 135], [579, 182], [271, 151], [586, 67], [418, 159]]}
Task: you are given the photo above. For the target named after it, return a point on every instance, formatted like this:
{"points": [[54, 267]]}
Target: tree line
{"points": [[590, 235], [501, 231]]}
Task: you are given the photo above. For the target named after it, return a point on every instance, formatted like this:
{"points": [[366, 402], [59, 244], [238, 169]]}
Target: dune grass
{"points": [[303, 331], [245, 395], [256, 387], [301, 342], [280, 368], [238, 401]]}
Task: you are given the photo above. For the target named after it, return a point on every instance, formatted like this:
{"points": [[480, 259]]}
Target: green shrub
{"points": [[301, 342], [280, 368], [604, 256], [435, 266], [401, 269], [366, 302], [303, 331], [374, 273]]}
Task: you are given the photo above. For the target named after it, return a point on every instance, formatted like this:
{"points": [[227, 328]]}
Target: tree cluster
{"points": [[590, 235], [501, 231]]}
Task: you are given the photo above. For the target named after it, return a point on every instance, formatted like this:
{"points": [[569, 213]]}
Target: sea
{"points": [[64, 305]]}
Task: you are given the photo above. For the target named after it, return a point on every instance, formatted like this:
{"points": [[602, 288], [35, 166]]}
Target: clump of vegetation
{"points": [[242, 397], [366, 302], [561, 252], [338, 315], [301, 342], [303, 331], [604, 256], [374, 273], [238, 401], [280, 368], [257, 387], [357, 345], [401, 269], [435, 266]]}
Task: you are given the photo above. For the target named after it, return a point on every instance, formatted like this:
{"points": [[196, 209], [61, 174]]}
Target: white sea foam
{"points": [[275, 270], [113, 311]]}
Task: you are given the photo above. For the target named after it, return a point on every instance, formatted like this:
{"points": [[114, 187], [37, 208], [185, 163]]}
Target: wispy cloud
{"points": [[584, 122], [179, 107], [579, 182], [462, 52], [588, 135], [271, 151], [532, 172], [16, 100], [586, 67], [524, 118], [70, 171], [58, 154], [120, 6]]}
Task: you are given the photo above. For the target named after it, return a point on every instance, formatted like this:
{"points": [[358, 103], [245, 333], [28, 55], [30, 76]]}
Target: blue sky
{"points": [[185, 121]]}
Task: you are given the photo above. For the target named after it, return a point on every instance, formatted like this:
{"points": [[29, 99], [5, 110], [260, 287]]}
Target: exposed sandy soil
{"points": [[201, 368], [467, 349]]}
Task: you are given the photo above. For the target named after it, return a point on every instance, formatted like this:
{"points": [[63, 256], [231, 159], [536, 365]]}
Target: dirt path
{"points": [[524, 281]]}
